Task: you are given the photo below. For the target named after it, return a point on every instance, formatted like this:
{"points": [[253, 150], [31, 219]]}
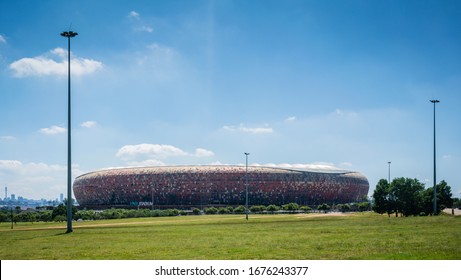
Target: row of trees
{"points": [[409, 197], [59, 213]]}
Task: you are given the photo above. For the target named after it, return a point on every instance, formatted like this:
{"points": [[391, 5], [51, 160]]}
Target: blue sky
{"points": [[339, 84]]}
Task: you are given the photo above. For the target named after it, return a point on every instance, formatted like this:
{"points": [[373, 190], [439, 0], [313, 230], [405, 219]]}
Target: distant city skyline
{"points": [[14, 196], [338, 84]]}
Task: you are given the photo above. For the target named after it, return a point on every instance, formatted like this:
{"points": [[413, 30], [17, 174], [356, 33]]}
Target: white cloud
{"points": [[290, 119], [133, 14], [318, 166], [53, 64], [254, 130], [53, 130], [156, 152], [145, 28], [151, 150], [2, 39], [35, 179], [88, 124], [148, 162], [199, 152]]}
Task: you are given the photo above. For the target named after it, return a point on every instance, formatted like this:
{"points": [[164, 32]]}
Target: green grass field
{"points": [[303, 236]]}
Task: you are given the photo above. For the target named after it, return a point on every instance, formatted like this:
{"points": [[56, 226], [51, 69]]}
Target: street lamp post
{"points": [[435, 180], [389, 172], [69, 34], [246, 184]]}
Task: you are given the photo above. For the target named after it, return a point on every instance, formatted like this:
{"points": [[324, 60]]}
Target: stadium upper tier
{"points": [[196, 186]]}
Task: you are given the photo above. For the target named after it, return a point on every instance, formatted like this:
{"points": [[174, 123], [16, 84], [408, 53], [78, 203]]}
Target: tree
{"points": [[239, 209], [272, 208], [305, 209], [408, 195], [444, 198], [257, 209], [223, 210], [61, 210], [384, 202], [292, 207], [456, 203], [344, 207], [363, 206], [324, 207], [211, 210], [3, 217]]}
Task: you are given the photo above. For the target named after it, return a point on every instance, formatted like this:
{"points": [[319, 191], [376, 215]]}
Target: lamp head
{"points": [[69, 34]]}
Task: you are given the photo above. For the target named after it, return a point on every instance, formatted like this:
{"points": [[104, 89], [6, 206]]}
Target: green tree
{"points": [[272, 208], [59, 210], [211, 210], [3, 217], [305, 209], [363, 206], [456, 203], [223, 210], [444, 198], [239, 209], [257, 208], [324, 207], [408, 195], [383, 200], [45, 215], [292, 207]]}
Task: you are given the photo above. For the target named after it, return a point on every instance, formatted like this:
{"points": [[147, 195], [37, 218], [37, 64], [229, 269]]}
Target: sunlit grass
{"points": [[305, 236]]}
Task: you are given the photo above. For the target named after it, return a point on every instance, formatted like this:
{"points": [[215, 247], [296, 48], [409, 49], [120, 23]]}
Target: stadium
{"points": [[186, 187]]}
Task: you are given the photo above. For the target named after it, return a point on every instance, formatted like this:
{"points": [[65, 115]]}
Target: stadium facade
{"points": [[203, 186]]}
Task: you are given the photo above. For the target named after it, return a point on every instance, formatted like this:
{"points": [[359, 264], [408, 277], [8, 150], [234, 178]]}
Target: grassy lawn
{"points": [[304, 236]]}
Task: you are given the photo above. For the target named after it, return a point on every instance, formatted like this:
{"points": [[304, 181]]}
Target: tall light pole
{"points": [[389, 172], [435, 180], [246, 184], [69, 34]]}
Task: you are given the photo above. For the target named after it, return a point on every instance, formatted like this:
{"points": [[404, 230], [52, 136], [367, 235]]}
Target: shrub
{"points": [[223, 210], [257, 208], [211, 210], [196, 211], [272, 208], [59, 218], [344, 207], [240, 209], [290, 207], [324, 207]]}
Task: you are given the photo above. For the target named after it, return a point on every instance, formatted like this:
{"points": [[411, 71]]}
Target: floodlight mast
{"points": [[69, 34], [435, 180]]}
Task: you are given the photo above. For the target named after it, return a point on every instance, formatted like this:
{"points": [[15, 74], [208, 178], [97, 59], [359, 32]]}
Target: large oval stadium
{"points": [[202, 186]]}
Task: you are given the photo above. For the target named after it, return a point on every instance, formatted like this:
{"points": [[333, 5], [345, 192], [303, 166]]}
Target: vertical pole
{"points": [[435, 170], [69, 160], [435, 178], [389, 175]]}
